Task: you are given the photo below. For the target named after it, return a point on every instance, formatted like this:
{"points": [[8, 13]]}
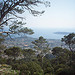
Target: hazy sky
{"points": [[61, 14]]}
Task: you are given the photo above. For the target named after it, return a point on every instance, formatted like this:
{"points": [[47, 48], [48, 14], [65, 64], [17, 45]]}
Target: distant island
{"points": [[62, 33]]}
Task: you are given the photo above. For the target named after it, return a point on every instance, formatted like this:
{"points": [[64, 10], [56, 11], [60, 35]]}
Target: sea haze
{"points": [[51, 33]]}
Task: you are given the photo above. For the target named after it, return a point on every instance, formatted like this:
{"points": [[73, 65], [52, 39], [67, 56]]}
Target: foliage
{"points": [[57, 50], [2, 47], [63, 62], [47, 67], [42, 48], [6, 70], [29, 54], [10, 11], [70, 41], [41, 44], [13, 7], [3, 60], [13, 52], [29, 68], [18, 27]]}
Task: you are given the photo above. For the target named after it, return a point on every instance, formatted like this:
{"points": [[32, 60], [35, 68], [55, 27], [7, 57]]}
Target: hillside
{"points": [[25, 42]]}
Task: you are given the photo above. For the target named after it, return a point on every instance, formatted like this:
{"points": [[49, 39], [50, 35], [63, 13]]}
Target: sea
{"points": [[52, 33], [49, 33]]}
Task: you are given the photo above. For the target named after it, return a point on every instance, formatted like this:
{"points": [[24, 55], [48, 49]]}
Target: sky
{"points": [[61, 14], [59, 17]]}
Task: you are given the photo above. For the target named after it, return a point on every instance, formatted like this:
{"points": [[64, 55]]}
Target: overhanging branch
{"points": [[6, 21], [17, 16], [7, 32]]}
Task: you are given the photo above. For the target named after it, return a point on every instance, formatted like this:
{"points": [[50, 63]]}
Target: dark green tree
{"points": [[63, 62], [62, 55], [41, 44], [42, 48], [29, 68], [13, 52], [29, 54], [70, 41], [57, 50], [48, 69]]}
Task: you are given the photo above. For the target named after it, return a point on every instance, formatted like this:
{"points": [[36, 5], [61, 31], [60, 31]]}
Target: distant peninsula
{"points": [[62, 33]]}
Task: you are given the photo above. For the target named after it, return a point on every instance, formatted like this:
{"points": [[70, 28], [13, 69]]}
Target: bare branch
{"points": [[7, 32], [6, 21]]}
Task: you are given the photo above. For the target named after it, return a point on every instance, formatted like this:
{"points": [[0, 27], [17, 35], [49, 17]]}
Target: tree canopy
{"points": [[10, 11], [41, 44], [12, 7], [18, 6], [70, 41], [13, 52]]}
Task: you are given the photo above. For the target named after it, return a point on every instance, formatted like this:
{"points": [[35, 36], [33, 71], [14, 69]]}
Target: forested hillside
{"points": [[39, 60]]}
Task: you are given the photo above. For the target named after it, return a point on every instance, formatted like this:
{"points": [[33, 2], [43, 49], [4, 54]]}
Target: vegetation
{"points": [[6, 70], [13, 52], [37, 61], [13, 7], [60, 61], [70, 41], [41, 44], [10, 11]]}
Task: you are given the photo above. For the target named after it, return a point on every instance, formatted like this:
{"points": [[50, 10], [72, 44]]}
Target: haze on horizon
{"points": [[61, 14]]}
